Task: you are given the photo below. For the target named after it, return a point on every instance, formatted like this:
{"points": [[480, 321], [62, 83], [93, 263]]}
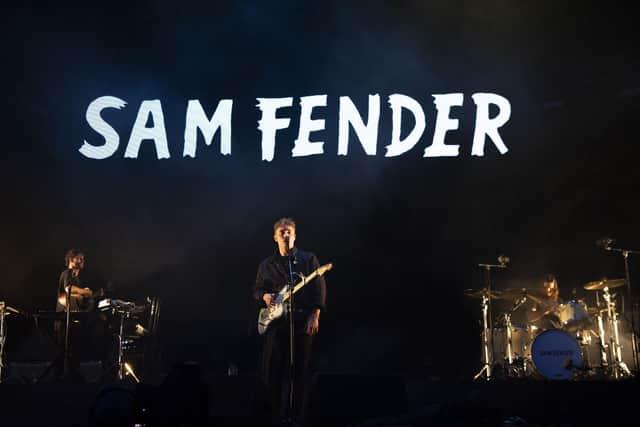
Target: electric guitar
{"points": [[271, 313]]}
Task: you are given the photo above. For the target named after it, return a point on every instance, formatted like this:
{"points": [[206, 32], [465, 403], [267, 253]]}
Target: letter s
{"points": [[97, 123]]}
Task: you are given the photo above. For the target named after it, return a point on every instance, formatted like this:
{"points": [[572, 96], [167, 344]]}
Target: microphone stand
{"points": [[487, 332], [65, 365], [291, 335], [634, 337]]}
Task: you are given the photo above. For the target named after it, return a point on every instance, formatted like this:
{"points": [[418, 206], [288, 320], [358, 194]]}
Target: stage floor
{"points": [[338, 399]]}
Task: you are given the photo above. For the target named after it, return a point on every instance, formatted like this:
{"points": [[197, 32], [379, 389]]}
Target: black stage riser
{"points": [[337, 400]]}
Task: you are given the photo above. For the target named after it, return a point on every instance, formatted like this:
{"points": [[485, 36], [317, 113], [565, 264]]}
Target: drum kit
{"points": [[555, 340]]}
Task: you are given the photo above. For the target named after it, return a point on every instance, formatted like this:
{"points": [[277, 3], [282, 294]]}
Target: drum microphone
{"points": [[503, 260], [12, 310], [605, 243]]}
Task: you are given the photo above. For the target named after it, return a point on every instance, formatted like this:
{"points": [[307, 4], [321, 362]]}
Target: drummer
{"points": [[544, 313]]}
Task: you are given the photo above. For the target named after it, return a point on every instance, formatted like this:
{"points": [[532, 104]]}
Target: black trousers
{"points": [[275, 369]]}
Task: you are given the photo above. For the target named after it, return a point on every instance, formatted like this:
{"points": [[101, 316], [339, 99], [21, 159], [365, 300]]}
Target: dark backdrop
{"points": [[405, 234]]}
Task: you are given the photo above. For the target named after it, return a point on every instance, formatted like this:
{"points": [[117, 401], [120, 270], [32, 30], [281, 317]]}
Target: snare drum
{"points": [[556, 355]]}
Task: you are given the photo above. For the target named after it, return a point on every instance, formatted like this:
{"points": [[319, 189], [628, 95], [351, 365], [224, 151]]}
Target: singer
{"points": [[273, 273], [81, 297], [89, 333]]}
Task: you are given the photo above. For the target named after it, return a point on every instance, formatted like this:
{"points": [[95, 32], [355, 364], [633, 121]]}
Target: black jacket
{"points": [[273, 274]]}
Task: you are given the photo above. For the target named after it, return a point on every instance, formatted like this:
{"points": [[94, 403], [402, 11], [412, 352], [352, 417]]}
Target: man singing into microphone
{"points": [[89, 337], [273, 273], [70, 281]]}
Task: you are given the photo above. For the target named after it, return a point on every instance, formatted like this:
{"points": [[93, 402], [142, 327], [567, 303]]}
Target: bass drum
{"points": [[556, 355]]}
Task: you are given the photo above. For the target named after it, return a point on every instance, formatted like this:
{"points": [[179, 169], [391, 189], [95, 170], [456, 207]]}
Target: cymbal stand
{"points": [[3, 336], [620, 368], [488, 355], [511, 367], [124, 368], [487, 329], [601, 336], [633, 314], [67, 332], [121, 370]]}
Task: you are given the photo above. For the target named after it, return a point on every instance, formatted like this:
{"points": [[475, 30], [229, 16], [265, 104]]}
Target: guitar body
{"points": [[269, 314]]}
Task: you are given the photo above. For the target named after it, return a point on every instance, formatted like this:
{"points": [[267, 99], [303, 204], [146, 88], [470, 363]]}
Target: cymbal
{"points": [[537, 295], [535, 316], [605, 283], [478, 293]]}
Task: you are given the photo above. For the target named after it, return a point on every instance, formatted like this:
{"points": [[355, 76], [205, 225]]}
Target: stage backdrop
{"points": [[405, 232]]}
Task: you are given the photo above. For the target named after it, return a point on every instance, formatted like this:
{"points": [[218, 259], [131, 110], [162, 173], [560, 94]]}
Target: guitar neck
{"points": [[300, 284]]}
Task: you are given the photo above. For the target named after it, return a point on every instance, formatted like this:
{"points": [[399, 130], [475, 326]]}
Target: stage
{"points": [[338, 399], [468, 170]]}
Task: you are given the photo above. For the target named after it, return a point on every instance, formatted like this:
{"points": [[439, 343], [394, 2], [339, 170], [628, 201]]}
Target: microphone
{"points": [[503, 260], [605, 242], [286, 244], [12, 310]]}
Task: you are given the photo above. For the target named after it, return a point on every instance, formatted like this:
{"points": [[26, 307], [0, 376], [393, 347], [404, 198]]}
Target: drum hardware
{"points": [[125, 310], [124, 368], [129, 371], [487, 329], [131, 336], [584, 339], [3, 336], [479, 293], [602, 341], [619, 368], [607, 243], [488, 355], [5, 311], [512, 369], [108, 304]]}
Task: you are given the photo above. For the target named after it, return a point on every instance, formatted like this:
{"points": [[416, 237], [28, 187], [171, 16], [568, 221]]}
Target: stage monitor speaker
{"points": [[340, 398]]}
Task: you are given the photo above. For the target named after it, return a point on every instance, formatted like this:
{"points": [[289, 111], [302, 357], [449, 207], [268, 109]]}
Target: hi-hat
{"points": [[479, 293], [605, 283]]}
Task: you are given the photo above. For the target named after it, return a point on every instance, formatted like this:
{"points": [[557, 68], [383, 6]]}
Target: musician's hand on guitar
{"points": [[269, 299]]}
